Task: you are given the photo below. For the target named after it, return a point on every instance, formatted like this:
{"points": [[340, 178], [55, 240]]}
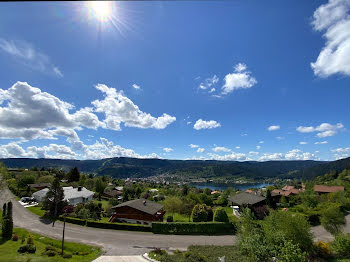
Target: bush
{"points": [[67, 256], [15, 237], [290, 252], [73, 220], [200, 228], [119, 226], [194, 257], [200, 213], [50, 253], [341, 245], [30, 240], [170, 219], [332, 219], [27, 249], [220, 215], [322, 249]]}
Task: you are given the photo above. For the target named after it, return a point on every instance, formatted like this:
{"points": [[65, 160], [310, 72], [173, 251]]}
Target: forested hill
{"points": [[132, 167], [326, 167]]}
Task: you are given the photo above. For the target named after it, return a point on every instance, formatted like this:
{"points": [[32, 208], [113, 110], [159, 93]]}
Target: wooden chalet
{"points": [[320, 189], [138, 211], [253, 201]]}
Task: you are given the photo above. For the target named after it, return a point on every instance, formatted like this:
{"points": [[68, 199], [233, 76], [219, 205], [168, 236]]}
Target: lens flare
{"points": [[101, 9]]}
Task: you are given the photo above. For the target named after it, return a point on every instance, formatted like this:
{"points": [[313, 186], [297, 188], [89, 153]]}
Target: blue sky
{"points": [[227, 80]]}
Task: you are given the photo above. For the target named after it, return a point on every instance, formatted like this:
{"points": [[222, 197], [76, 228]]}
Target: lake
{"points": [[221, 187]]}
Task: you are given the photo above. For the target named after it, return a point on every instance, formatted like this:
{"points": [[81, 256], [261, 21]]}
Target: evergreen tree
{"points": [[53, 201], [269, 200], [7, 221], [73, 175]]}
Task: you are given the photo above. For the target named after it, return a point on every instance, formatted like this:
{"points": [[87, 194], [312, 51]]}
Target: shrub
{"points": [[332, 219], [341, 245], [322, 249], [50, 248], [170, 219], [30, 240], [50, 253], [194, 257], [27, 249], [67, 256], [200, 213], [15, 237], [290, 252], [199, 228], [220, 215], [119, 226]]}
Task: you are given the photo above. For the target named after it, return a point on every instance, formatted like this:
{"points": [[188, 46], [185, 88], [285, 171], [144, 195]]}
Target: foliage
{"points": [[73, 175], [7, 221], [170, 219], [200, 213], [332, 219], [200, 228], [290, 252], [27, 249], [220, 215], [172, 204], [322, 249], [341, 245], [100, 187], [15, 237], [53, 201]]}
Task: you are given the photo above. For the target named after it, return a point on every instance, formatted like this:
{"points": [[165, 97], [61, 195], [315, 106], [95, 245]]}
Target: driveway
{"points": [[114, 242]]}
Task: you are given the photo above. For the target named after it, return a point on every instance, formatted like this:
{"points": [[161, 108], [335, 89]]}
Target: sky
{"points": [[226, 80]]}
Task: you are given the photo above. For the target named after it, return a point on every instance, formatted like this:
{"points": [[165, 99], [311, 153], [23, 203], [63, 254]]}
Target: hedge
{"points": [[199, 228], [116, 226]]}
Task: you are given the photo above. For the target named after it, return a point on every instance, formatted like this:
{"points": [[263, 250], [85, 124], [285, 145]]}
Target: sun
{"points": [[101, 9]]}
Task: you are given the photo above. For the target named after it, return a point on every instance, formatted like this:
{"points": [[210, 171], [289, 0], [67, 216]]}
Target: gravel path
{"points": [[114, 242]]}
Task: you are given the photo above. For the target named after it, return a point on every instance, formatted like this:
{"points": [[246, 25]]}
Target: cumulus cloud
{"points": [[168, 149], [340, 152], [202, 124], [333, 19], [119, 109], [193, 146], [323, 130], [221, 149], [295, 154], [258, 147], [200, 150], [303, 143], [27, 55], [239, 79], [229, 157], [273, 128]]}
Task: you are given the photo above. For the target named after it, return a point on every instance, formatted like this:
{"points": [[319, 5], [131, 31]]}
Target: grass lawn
{"points": [[37, 210], [177, 217], [105, 203], [8, 249]]}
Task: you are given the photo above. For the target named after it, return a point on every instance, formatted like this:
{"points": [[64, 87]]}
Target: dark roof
{"points": [[143, 205], [246, 198], [113, 193], [40, 185]]}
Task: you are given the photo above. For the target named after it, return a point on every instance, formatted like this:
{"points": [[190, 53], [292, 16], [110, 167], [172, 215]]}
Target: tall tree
{"points": [[53, 201], [73, 175], [100, 187], [7, 221]]}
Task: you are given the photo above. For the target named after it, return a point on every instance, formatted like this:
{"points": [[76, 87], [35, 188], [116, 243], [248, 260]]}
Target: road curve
{"points": [[113, 242]]}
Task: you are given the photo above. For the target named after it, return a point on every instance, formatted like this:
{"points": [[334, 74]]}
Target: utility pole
{"points": [[64, 227]]}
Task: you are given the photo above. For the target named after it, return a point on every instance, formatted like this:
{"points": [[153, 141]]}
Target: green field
{"points": [[105, 203], [177, 217], [8, 249]]}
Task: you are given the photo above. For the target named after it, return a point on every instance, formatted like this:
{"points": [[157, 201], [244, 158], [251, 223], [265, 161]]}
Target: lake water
{"points": [[221, 187]]}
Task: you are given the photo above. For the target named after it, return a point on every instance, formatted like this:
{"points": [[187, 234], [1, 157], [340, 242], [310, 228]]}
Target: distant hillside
{"points": [[122, 167], [324, 168]]}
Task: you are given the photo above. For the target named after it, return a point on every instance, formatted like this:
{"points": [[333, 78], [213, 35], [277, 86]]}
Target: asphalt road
{"points": [[114, 242]]}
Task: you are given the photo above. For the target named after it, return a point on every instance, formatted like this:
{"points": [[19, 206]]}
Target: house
{"points": [[255, 202], [288, 188], [138, 211], [39, 186], [320, 189], [112, 194], [72, 195]]}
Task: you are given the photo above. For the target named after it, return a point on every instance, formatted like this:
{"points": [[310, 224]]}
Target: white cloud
{"points": [[118, 109], [321, 143], [230, 157], [212, 90], [258, 147], [238, 147], [303, 143], [221, 149], [273, 128], [295, 154], [193, 146], [333, 18], [27, 55], [202, 124], [324, 130], [340, 152], [240, 78], [261, 142], [279, 137], [209, 82], [271, 156], [168, 149], [135, 86], [200, 150], [253, 153]]}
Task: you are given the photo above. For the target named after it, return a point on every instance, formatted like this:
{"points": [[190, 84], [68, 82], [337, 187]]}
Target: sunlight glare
{"points": [[101, 9]]}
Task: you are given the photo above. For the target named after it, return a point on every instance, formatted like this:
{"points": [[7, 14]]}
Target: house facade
{"points": [[256, 203], [138, 211]]}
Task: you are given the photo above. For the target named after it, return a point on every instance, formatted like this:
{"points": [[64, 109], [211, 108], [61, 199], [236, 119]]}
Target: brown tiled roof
{"points": [[294, 191], [287, 188], [277, 192], [328, 189], [143, 205], [249, 191]]}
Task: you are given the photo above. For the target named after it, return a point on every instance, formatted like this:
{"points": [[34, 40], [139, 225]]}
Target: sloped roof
{"points": [[69, 193], [40, 185], [143, 205], [246, 199], [287, 188], [328, 189]]}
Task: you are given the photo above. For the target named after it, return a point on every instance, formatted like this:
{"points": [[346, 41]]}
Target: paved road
{"points": [[114, 242]]}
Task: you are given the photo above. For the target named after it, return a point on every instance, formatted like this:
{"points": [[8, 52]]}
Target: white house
{"points": [[72, 195]]}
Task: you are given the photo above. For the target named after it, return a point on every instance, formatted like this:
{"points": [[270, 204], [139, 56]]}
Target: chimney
{"points": [[144, 202], [79, 188]]}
